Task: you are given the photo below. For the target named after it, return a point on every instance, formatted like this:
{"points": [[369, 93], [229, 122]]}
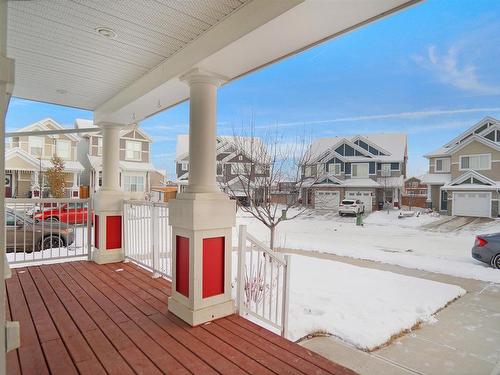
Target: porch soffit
{"points": [[61, 59]]}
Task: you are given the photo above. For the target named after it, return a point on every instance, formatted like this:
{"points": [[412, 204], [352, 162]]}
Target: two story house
{"points": [[240, 165], [369, 167], [28, 157], [135, 165], [464, 174]]}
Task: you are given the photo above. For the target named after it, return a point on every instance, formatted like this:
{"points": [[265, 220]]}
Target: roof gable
{"points": [[470, 177], [471, 139], [48, 124], [479, 127]]}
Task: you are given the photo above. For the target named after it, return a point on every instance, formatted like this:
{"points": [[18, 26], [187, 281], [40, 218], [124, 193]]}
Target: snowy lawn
{"points": [[362, 306], [383, 238]]}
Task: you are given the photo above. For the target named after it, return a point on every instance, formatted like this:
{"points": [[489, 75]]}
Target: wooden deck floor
{"points": [[80, 317]]}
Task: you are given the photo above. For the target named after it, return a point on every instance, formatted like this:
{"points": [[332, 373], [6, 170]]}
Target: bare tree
{"points": [[265, 162]]}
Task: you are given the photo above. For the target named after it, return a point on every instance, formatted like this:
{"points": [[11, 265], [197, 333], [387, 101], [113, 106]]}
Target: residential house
{"points": [[135, 159], [28, 157], [464, 174], [369, 167], [414, 193], [240, 166]]}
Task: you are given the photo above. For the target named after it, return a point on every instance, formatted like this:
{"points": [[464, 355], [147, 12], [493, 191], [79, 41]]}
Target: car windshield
{"points": [[12, 216], [347, 202]]}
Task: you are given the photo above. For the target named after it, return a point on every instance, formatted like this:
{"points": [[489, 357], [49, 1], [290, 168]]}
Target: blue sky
{"points": [[430, 71]]}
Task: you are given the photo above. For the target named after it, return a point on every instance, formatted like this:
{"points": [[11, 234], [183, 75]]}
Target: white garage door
{"points": [[324, 199], [364, 196], [473, 203]]}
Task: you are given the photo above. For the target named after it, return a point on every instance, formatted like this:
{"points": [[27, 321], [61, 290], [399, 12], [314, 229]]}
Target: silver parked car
{"points": [[487, 249]]}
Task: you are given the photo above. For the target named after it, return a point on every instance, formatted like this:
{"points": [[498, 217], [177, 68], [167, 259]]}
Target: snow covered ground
{"points": [[383, 238], [362, 306]]}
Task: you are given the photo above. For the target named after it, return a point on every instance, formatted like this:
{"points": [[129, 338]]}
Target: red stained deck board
{"points": [[117, 321]]}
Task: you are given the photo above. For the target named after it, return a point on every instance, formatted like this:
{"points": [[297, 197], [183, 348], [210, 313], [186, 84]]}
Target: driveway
{"points": [[464, 339]]}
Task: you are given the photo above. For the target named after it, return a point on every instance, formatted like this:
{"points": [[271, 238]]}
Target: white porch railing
{"points": [[39, 230], [147, 236], [263, 282]]}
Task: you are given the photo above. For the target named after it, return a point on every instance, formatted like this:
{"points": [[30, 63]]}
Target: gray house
{"points": [[369, 167], [240, 165]]}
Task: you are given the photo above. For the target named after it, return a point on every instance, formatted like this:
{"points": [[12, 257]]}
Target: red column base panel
{"points": [[113, 232], [182, 265], [213, 266]]}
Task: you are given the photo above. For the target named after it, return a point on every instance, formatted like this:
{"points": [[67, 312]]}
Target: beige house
{"points": [[28, 157], [136, 170], [464, 174], [370, 168]]}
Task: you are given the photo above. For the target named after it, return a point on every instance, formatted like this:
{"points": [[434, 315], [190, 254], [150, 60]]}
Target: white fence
{"points": [[263, 282], [147, 236], [38, 230]]}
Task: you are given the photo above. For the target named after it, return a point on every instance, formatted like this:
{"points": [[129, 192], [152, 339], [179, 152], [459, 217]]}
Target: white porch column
{"points": [[202, 217], [108, 201], [9, 331]]}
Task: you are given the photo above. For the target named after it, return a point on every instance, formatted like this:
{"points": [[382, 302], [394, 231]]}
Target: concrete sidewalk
{"points": [[465, 339]]}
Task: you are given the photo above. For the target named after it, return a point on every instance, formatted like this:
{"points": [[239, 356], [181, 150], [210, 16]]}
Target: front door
{"points": [[444, 200], [8, 185]]}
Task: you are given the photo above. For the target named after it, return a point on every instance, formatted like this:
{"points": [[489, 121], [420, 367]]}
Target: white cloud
{"points": [[450, 69], [387, 116]]}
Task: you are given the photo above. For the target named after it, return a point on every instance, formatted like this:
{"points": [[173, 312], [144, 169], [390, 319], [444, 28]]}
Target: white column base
{"points": [[200, 316], [107, 256]]}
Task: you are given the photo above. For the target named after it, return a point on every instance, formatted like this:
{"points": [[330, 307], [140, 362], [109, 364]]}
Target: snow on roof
{"points": [[394, 143], [244, 144], [96, 162], [81, 123], [360, 182], [436, 178]]}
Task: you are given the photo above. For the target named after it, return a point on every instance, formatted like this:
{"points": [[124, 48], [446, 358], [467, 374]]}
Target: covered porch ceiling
{"points": [[123, 59]]}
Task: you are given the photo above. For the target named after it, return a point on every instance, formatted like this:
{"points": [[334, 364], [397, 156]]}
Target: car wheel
{"points": [[51, 242], [53, 219], [496, 262]]}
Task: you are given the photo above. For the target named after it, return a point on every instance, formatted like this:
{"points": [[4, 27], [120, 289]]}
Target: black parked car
{"points": [[487, 249]]}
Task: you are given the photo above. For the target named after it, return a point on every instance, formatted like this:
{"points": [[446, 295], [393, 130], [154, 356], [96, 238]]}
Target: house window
{"points": [[220, 169], [99, 182], [241, 168], [185, 166], [260, 169], [334, 168], [133, 183], [394, 166], [385, 170], [99, 146], [133, 150], [360, 170], [63, 149], [442, 165], [308, 171], [475, 162], [36, 145], [414, 184], [321, 169]]}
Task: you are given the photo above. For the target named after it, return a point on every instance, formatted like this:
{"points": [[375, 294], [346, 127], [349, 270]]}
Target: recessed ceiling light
{"points": [[61, 91], [106, 32]]}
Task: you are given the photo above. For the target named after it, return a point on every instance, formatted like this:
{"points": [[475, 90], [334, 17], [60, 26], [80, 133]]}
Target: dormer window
{"points": [[493, 136]]}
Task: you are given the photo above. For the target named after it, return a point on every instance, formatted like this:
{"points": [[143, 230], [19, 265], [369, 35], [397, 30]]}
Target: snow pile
{"points": [[384, 218], [362, 306]]}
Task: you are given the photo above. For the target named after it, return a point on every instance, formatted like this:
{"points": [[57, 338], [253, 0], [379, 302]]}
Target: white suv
{"points": [[351, 206]]}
